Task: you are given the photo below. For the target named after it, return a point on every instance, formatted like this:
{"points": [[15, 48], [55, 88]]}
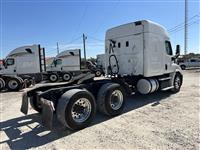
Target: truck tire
{"points": [[76, 109], [98, 73], [13, 84], [21, 81], [177, 83], [183, 67], [53, 77], [34, 104], [66, 77], [2, 84], [111, 99]]}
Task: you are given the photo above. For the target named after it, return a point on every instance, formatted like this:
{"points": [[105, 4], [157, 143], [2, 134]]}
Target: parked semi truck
{"points": [[28, 63], [22, 63], [138, 58], [65, 65]]}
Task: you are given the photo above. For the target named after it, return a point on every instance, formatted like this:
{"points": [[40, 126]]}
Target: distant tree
{"points": [[191, 55], [92, 59], [188, 56]]}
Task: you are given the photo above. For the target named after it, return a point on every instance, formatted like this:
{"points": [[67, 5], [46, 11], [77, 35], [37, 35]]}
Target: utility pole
{"points": [[186, 28], [57, 48], [84, 38]]}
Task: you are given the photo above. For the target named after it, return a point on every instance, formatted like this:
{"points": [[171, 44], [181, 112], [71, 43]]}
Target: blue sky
{"points": [[64, 21]]}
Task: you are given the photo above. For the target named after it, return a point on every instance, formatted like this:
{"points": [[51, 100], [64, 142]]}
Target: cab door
{"points": [[10, 66], [56, 65]]}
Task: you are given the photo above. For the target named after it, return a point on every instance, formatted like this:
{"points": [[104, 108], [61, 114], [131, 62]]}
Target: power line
{"points": [[94, 38], [181, 24], [81, 21], [75, 39], [105, 15], [190, 24]]}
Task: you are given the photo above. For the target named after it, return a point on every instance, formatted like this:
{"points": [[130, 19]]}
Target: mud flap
{"points": [[47, 113], [24, 106]]}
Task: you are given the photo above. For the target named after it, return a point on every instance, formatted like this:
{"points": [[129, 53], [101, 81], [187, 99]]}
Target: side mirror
{"points": [[178, 50], [54, 63]]}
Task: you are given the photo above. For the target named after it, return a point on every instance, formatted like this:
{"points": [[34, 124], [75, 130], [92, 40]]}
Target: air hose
{"points": [[111, 68]]}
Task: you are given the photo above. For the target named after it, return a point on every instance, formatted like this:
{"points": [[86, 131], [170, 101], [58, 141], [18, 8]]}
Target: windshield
{"points": [[57, 62], [9, 62]]}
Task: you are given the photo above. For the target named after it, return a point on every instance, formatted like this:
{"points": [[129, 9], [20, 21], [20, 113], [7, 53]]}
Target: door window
{"points": [[168, 48], [58, 61], [10, 61]]}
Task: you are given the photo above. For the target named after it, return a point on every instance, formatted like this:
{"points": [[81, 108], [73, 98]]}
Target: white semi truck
{"points": [[138, 58], [65, 65], [28, 63], [22, 63]]}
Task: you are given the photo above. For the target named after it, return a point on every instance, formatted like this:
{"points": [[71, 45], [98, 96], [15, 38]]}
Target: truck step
{"points": [[167, 88], [163, 79]]}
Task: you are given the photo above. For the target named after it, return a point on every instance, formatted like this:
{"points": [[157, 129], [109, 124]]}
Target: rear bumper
{"points": [[47, 109]]}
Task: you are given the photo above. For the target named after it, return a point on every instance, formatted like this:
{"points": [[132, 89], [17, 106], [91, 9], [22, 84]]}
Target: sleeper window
{"points": [[119, 45], [127, 43]]}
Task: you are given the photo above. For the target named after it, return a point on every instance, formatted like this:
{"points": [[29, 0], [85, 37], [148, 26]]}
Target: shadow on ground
{"points": [[35, 138]]}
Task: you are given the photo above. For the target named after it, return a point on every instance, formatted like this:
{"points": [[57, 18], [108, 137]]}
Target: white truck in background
{"points": [[138, 58], [101, 62], [26, 62], [190, 63], [97, 67], [29, 63], [66, 64]]}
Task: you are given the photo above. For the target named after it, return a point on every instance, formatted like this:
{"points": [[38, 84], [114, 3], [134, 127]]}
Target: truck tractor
{"points": [[65, 65], [138, 59], [26, 63]]}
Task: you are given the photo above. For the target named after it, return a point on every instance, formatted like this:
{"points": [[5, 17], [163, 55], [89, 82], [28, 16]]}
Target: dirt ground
{"points": [[156, 121]]}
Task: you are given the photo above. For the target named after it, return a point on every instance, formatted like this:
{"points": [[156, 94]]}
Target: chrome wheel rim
{"points": [[116, 100], [53, 77], [12, 84], [177, 82], [81, 110]]}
